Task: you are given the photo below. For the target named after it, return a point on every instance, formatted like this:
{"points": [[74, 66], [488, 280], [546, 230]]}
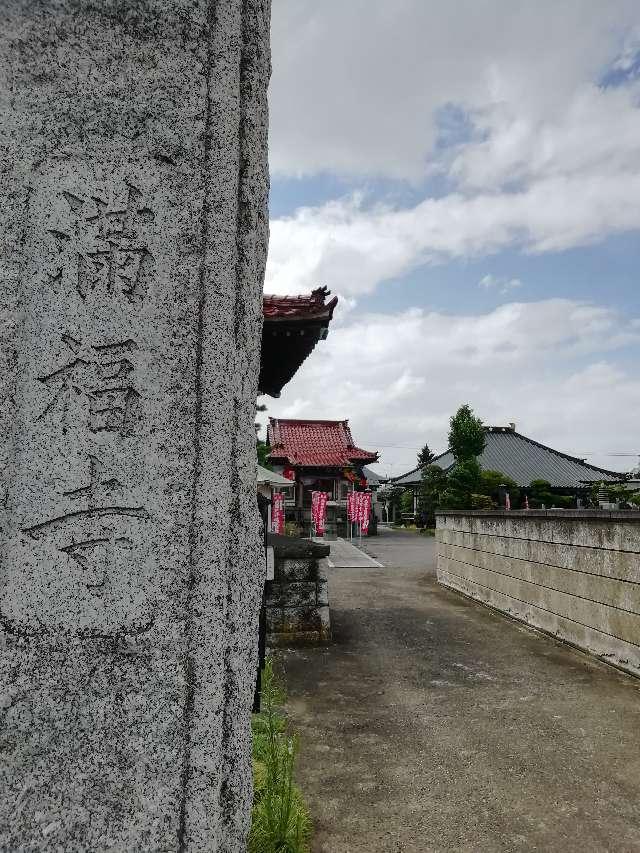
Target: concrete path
{"points": [[433, 724], [344, 555]]}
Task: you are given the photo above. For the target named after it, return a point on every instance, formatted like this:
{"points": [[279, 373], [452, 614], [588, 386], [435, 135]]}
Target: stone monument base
{"points": [[297, 600]]}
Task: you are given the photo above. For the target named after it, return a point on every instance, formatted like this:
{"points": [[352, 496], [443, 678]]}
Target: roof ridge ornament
{"points": [[321, 293]]}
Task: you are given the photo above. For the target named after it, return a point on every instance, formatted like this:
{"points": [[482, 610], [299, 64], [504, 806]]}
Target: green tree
{"points": [[263, 451], [434, 483], [425, 457], [619, 493], [467, 441], [406, 502], [467, 437], [260, 407], [392, 497], [462, 482]]}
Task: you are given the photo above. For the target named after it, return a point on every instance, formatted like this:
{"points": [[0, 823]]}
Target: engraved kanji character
{"points": [[98, 490], [99, 500], [112, 270], [98, 557], [120, 222], [100, 252], [97, 532], [100, 375]]}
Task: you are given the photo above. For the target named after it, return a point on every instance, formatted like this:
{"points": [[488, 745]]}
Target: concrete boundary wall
{"points": [[575, 575]]}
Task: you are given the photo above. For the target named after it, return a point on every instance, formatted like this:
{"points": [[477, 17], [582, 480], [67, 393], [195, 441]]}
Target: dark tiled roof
{"points": [[524, 460], [292, 327], [308, 307], [314, 444], [372, 478]]}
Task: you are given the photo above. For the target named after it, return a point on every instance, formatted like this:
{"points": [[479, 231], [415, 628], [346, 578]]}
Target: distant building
{"points": [[523, 460], [317, 455], [374, 483], [633, 481], [268, 483], [292, 326]]}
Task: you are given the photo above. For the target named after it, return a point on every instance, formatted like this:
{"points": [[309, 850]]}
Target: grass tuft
{"points": [[280, 821]]}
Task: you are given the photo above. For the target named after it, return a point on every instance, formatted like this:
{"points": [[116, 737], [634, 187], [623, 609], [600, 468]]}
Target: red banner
{"points": [[359, 509], [322, 512], [351, 506], [277, 513], [319, 511], [365, 511]]}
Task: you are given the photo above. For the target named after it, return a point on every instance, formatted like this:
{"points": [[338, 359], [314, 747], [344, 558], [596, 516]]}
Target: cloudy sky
{"points": [[466, 177]]}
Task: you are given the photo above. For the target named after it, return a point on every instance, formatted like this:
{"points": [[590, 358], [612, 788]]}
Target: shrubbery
{"points": [[481, 502], [625, 495], [462, 482], [540, 494], [490, 483]]}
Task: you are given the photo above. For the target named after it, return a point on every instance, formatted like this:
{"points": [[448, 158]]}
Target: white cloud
{"points": [[629, 53], [552, 160], [540, 158], [357, 85], [545, 365], [499, 283], [353, 248], [596, 134]]}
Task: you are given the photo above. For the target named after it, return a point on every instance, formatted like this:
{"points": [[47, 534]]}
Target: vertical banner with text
{"points": [[364, 511], [319, 511], [277, 513]]}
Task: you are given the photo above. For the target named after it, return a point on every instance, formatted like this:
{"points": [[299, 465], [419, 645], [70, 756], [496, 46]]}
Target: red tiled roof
{"points": [[309, 307], [315, 443]]}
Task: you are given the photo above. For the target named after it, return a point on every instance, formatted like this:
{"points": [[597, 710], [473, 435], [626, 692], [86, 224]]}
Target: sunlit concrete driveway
{"points": [[433, 724], [346, 555]]}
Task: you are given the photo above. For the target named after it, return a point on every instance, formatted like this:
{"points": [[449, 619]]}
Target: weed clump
{"points": [[280, 821]]}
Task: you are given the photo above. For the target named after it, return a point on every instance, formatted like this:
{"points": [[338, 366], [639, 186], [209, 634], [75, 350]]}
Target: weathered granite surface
{"points": [[134, 232]]}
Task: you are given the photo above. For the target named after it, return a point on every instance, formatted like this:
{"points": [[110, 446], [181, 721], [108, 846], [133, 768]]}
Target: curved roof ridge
{"points": [[303, 306], [308, 421]]}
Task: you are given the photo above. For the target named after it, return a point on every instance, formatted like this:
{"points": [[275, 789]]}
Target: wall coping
{"points": [[632, 515], [292, 548]]}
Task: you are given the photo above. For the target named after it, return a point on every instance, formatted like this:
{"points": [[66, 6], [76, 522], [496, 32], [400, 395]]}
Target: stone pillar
{"points": [[134, 231]]}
